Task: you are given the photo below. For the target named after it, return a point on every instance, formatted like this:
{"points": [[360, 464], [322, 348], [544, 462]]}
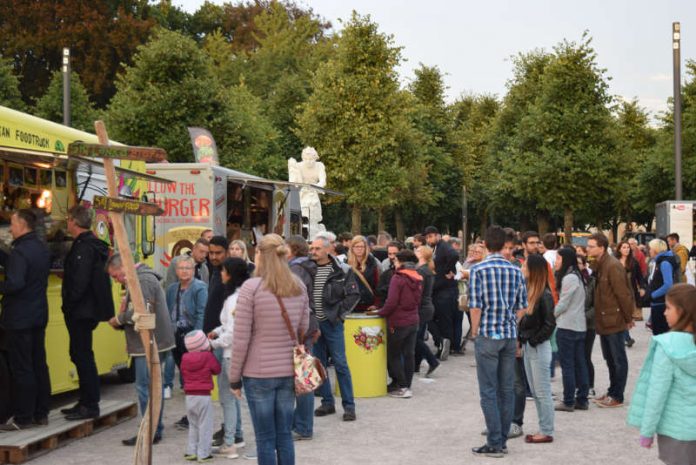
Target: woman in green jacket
{"points": [[664, 401]]}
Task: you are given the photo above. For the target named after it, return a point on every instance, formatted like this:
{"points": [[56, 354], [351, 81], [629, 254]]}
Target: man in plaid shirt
{"points": [[497, 291]]}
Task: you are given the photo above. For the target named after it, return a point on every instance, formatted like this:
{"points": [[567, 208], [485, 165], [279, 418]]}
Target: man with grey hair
{"points": [[164, 334], [335, 294], [330, 238], [87, 300]]}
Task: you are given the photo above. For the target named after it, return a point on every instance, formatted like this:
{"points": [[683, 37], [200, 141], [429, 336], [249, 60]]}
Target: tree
{"points": [[9, 87], [567, 143], [50, 105], [356, 119], [101, 36]]}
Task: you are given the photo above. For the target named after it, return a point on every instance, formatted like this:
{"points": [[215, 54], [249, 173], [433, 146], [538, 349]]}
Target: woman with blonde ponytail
{"points": [[262, 358]]}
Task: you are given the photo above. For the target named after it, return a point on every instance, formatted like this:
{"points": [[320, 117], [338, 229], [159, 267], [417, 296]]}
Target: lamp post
{"points": [[66, 86], [676, 63]]}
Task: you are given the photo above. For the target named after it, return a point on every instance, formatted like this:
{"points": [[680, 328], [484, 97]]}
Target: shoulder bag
{"points": [[309, 372]]}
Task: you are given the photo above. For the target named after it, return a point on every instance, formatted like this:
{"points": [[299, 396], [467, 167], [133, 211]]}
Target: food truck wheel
{"points": [[4, 388]]}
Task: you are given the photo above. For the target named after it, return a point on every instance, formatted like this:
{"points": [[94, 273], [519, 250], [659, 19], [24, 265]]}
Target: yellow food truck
{"points": [[36, 173]]}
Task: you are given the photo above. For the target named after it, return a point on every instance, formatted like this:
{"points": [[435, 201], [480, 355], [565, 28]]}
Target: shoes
{"points": [[219, 434], [591, 394], [324, 410], [206, 459], [562, 407], [83, 413], [239, 442], [432, 368], [393, 387], [182, 424], [349, 415], [515, 432], [69, 410], [190, 457], [250, 455], [40, 421], [630, 342], [229, 452], [488, 451], [458, 353], [609, 402], [403, 393], [131, 441], [167, 393], [13, 425], [299, 437], [601, 398], [579, 406], [538, 439], [444, 351]]}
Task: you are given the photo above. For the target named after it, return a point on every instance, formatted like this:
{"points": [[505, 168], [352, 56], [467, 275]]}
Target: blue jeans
{"points": [[271, 403], [231, 416], [614, 352], [495, 370], [520, 392], [142, 386], [571, 349], [169, 372], [332, 343], [536, 363]]}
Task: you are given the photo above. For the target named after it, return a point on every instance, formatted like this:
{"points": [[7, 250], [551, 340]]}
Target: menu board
{"points": [[681, 221]]}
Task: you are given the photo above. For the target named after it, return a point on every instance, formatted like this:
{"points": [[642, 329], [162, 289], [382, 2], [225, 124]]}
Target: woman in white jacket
{"points": [[234, 272]]}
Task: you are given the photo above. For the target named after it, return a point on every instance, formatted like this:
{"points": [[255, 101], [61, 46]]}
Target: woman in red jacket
{"points": [[401, 311]]}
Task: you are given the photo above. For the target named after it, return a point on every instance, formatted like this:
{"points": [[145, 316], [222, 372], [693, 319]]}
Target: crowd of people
{"points": [[528, 306]]}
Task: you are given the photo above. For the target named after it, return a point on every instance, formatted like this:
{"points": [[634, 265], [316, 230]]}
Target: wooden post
{"points": [[143, 448]]}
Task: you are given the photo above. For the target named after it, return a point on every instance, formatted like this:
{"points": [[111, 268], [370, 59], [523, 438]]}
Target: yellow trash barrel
{"points": [[366, 351]]}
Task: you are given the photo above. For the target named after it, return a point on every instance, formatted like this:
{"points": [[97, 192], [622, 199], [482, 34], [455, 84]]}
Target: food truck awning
{"points": [[250, 178], [28, 139]]}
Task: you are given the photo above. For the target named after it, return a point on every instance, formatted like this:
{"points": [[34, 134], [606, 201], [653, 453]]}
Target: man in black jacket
{"points": [[24, 318], [335, 294], [217, 253], [87, 300], [445, 292]]}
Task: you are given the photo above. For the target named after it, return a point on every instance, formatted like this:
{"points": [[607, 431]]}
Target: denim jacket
{"points": [[193, 302]]}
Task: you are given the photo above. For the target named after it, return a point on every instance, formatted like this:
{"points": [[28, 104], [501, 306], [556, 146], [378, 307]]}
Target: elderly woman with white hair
{"points": [[664, 272]]}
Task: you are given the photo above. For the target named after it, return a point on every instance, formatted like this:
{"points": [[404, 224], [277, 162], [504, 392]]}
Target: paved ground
{"points": [[439, 424]]}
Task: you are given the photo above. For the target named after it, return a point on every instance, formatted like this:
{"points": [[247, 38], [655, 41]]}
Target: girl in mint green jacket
{"points": [[664, 401]]}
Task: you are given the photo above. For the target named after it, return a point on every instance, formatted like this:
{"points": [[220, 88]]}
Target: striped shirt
{"points": [[497, 287], [323, 272]]}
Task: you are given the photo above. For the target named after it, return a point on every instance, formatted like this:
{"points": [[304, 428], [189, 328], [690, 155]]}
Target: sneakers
{"points": [[562, 407], [190, 457], [182, 424], [515, 432], [591, 394], [630, 342], [488, 451], [349, 415], [609, 402], [432, 368], [403, 393], [227, 451], [167, 392], [299, 437], [445, 349], [206, 459], [239, 442], [324, 410]]}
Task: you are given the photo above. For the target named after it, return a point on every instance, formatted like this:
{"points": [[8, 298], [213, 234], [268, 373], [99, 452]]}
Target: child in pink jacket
{"points": [[198, 366]]}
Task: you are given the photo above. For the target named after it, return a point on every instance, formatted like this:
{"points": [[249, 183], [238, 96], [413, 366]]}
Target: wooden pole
{"points": [[143, 448]]}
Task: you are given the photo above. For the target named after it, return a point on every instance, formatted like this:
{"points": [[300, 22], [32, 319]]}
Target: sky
{"points": [[471, 42]]}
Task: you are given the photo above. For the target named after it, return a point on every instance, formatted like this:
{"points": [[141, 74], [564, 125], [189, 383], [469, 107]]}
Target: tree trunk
{"points": [[615, 229], [543, 222], [380, 220], [568, 225], [484, 223], [399, 221], [355, 220]]}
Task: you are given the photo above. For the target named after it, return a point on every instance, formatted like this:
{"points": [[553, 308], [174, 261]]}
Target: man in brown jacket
{"points": [[613, 303], [680, 251]]}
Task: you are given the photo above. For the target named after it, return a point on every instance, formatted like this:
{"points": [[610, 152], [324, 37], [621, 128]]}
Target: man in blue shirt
{"points": [[496, 293]]}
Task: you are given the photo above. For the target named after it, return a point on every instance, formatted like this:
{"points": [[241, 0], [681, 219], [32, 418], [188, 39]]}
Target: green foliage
{"points": [[9, 87], [356, 118], [50, 105]]}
